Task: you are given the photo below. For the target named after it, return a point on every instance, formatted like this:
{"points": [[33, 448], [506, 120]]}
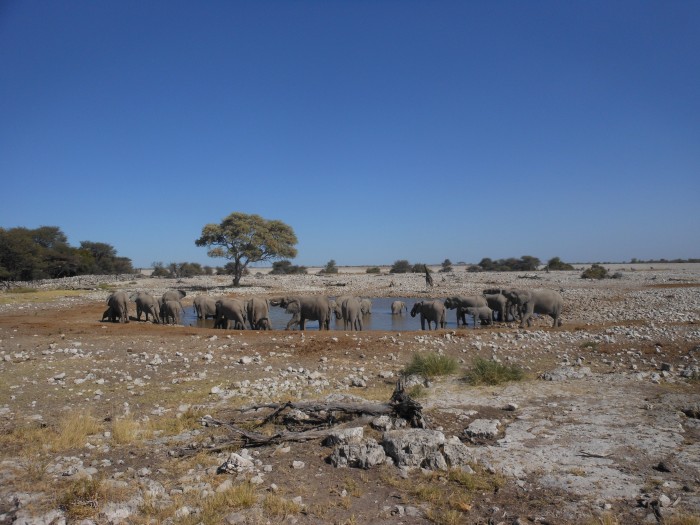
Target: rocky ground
{"points": [[109, 423]]}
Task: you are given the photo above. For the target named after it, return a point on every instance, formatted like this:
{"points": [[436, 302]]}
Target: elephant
{"points": [[365, 306], [397, 307], [432, 311], [483, 313], [258, 311], [295, 321], [118, 304], [464, 301], [311, 308], [109, 315], [173, 295], [350, 311], [171, 312], [205, 306], [230, 313], [145, 303], [498, 303], [512, 309], [545, 302]]}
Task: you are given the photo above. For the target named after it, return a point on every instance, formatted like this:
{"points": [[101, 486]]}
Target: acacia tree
{"points": [[244, 239]]}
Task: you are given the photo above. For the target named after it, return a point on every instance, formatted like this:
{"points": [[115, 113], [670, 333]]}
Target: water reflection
{"points": [[380, 318]]}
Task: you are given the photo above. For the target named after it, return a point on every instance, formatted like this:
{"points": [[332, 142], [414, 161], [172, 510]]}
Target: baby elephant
{"points": [[483, 313], [397, 307]]}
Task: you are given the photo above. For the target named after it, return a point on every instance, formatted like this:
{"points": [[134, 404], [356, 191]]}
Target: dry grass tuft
{"points": [[125, 430], [73, 431], [277, 507], [82, 498], [487, 372]]}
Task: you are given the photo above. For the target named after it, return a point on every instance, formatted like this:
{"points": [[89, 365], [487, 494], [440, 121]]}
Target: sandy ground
{"points": [[603, 427]]}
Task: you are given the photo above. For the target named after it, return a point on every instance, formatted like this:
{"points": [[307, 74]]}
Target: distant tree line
{"points": [[659, 261], [44, 253]]}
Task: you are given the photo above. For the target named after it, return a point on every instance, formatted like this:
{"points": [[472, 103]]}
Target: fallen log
{"points": [[326, 418]]}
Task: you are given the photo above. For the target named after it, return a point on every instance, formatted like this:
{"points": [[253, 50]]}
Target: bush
{"points": [[487, 372], [286, 268], [596, 271], [556, 264], [330, 268], [431, 365], [400, 266], [373, 269], [420, 268]]}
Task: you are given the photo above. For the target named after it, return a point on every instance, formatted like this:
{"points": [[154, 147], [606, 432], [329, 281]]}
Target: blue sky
{"points": [[378, 130]]}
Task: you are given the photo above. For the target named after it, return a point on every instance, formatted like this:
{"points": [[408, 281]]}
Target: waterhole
{"points": [[380, 318]]}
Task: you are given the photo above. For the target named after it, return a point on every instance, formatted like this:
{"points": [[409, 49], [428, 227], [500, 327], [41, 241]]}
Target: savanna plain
{"points": [[596, 423]]}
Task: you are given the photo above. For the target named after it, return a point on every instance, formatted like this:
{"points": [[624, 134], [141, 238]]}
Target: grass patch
{"points": [[82, 498], [487, 372], [74, 430], [32, 295], [450, 495], [125, 430], [241, 496], [589, 345], [682, 519], [431, 365], [24, 289], [275, 506]]}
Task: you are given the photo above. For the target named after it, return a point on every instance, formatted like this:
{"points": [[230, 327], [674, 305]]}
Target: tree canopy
{"points": [[244, 239], [44, 253]]}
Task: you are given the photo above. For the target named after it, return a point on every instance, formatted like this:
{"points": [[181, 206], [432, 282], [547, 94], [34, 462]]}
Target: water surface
{"points": [[379, 319]]}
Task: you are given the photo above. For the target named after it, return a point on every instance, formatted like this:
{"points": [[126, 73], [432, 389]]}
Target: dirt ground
{"points": [[603, 428]]}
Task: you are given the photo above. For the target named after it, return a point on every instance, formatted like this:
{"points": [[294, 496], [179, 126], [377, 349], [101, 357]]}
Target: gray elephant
{"points": [[483, 313], [145, 303], [498, 303], [173, 295], [398, 307], [544, 302], [205, 306], [258, 312], [171, 312], [460, 302], [311, 308], [118, 308], [230, 313], [365, 306], [431, 311], [512, 309], [295, 321], [350, 311]]}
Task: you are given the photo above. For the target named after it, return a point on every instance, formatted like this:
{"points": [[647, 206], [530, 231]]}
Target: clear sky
{"points": [[378, 130]]}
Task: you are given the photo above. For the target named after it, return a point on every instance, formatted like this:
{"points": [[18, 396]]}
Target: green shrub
{"points": [[431, 365], [373, 269], [487, 372], [400, 266], [596, 271]]}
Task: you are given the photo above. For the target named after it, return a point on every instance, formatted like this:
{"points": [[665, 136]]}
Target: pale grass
{"points": [[29, 295], [126, 431], [277, 507], [73, 431], [682, 519], [82, 498]]}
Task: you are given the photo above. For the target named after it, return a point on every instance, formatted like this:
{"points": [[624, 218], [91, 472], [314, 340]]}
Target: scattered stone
{"points": [[483, 428]]}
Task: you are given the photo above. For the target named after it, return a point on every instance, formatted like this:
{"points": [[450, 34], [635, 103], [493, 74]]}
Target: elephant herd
{"points": [[493, 305]]}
